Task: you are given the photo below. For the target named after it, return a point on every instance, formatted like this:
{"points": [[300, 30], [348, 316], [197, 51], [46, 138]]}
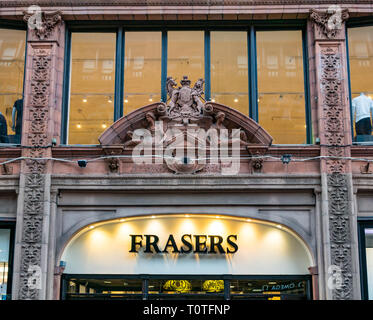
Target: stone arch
{"points": [[77, 229], [117, 132]]}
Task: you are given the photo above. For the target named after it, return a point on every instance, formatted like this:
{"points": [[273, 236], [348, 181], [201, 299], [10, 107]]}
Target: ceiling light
{"points": [[235, 100], [78, 126], [279, 226], [153, 217], [91, 227], [122, 220], [125, 100], [104, 126], [85, 99], [109, 100], [150, 99]]}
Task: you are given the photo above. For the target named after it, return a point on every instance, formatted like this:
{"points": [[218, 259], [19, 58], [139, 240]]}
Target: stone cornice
{"points": [[82, 3]]}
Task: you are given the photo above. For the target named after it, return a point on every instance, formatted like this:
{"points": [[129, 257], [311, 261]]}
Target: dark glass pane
{"points": [[12, 61]]}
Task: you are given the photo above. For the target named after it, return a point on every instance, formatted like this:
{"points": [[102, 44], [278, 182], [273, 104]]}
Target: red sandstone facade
{"points": [[336, 183]]}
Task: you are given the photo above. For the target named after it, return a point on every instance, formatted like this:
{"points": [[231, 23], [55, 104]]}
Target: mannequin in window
{"points": [[3, 129], [17, 119], [361, 112]]}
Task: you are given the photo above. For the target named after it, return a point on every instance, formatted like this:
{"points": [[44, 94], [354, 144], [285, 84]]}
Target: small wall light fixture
{"points": [[82, 163], [286, 158]]}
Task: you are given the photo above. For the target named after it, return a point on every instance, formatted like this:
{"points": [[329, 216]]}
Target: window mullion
{"points": [[207, 66], [164, 67], [253, 87], [119, 75]]}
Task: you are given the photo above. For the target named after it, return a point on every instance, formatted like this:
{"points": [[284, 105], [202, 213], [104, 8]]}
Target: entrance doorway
{"points": [[180, 287]]}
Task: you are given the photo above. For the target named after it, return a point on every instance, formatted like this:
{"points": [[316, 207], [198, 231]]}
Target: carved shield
{"points": [[185, 97]]}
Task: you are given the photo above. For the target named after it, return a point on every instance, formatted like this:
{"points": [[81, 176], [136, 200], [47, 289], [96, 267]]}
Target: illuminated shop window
{"points": [[92, 86], [4, 263], [12, 61], [114, 74], [142, 69], [186, 55], [281, 99], [360, 46], [229, 69]]}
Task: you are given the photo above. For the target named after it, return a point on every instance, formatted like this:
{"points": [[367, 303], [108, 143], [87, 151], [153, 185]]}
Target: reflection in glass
{"points": [[269, 288], [229, 69], [12, 61], [185, 55], [104, 288], [369, 259], [142, 69], [281, 100], [4, 262], [92, 86], [360, 46], [196, 286]]}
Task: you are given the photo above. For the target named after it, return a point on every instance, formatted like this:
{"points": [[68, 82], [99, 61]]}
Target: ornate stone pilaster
{"points": [[339, 245], [43, 80]]}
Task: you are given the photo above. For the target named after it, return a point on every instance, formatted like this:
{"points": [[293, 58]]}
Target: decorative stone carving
{"points": [[334, 137], [6, 169], [185, 125], [329, 22], [48, 21], [113, 162], [37, 107]]}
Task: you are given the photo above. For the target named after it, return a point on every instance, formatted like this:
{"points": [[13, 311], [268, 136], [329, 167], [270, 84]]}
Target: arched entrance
{"points": [[186, 256]]}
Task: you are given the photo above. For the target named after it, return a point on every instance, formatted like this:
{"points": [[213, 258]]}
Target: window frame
{"points": [[10, 225], [17, 25], [354, 23], [120, 27], [363, 223]]}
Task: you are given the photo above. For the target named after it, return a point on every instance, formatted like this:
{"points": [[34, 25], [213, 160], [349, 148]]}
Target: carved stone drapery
{"points": [[329, 22], [44, 28]]}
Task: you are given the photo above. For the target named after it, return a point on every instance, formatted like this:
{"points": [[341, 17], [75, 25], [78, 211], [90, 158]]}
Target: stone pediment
{"points": [[120, 131], [185, 110], [186, 121]]}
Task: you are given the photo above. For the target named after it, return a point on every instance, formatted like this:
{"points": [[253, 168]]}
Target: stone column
{"points": [[339, 242], [42, 113]]}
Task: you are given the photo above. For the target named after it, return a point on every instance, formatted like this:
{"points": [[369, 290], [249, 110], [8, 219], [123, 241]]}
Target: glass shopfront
{"points": [[150, 287], [186, 257]]}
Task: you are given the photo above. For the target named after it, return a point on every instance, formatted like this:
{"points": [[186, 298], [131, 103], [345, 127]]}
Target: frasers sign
{"points": [[199, 244], [185, 244]]}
